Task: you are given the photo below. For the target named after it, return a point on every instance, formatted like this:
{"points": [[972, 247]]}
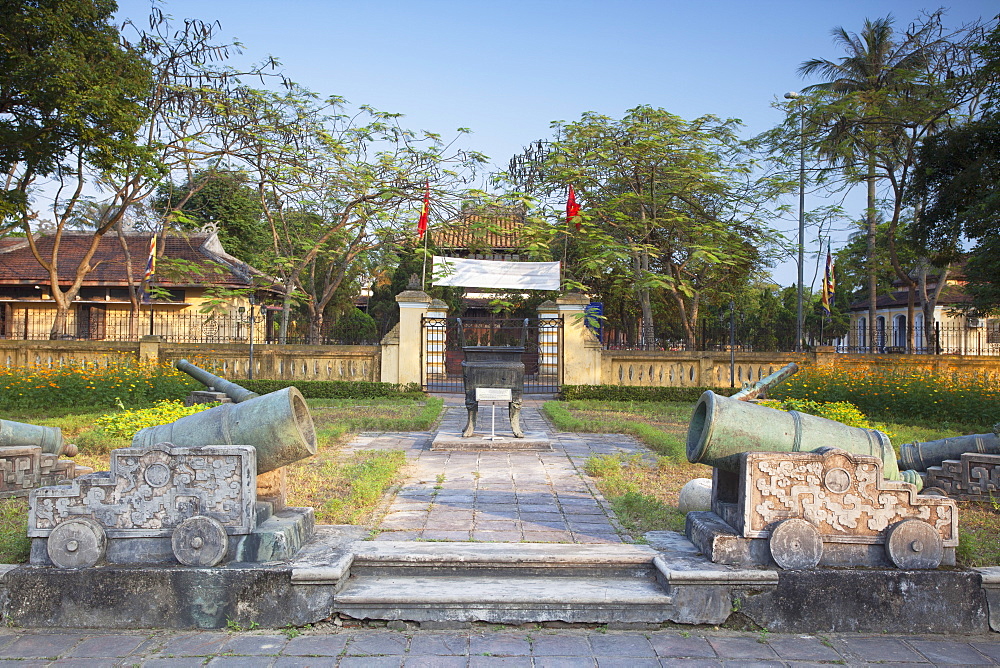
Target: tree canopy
{"points": [[671, 209]]}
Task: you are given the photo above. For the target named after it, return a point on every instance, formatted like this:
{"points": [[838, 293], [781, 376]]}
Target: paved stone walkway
{"points": [[537, 648], [499, 496]]}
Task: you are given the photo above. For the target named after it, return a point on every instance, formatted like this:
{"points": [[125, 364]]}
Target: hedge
{"points": [[332, 389], [636, 393]]}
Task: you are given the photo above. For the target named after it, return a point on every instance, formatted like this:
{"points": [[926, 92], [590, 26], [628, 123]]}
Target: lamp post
{"points": [[800, 321]]}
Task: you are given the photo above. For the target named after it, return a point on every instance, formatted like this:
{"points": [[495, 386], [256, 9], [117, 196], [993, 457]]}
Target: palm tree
{"points": [[857, 115]]}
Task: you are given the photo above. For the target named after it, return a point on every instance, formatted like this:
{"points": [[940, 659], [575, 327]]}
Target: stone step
{"points": [[504, 599], [541, 559]]}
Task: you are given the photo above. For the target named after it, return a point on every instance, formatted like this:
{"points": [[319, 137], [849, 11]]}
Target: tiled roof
{"points": [[491, 228], [19, 267], [950, 294]]}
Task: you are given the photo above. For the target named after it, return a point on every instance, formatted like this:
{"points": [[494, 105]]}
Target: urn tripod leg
{"points": [[470, 426], [515, 418]]}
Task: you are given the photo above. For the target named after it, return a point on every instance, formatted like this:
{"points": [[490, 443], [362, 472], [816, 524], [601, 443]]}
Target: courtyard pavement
{"points": [[496, 496], [535, 648]]}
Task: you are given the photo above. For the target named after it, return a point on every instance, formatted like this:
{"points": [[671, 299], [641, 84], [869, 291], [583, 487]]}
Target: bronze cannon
{"points": [[723, 428], [49, 439], [921, 456], [278, 425], [235, 392]]}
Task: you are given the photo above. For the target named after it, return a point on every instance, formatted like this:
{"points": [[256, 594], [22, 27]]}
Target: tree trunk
{"points": [[872, 265], [286, 307], [642, 268]]}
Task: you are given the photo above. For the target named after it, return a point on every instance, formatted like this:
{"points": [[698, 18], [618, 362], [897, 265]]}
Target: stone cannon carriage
{"points": [[801, 491], [184, 491]]}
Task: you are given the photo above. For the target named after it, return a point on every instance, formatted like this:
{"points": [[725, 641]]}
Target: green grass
{"points": [[644, 421], [14, 542], [400, 414]]}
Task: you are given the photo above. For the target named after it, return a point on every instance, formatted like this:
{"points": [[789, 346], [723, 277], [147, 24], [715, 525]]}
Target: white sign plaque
{"points": [[493, 394]]}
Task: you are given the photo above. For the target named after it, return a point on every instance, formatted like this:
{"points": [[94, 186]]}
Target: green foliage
{"points": [[839, 411], [126, 423], [902, 393], [354, 327], [67, 85], [224, 198], [334, 389], [124, 380], [637, 393], [668, 207]]}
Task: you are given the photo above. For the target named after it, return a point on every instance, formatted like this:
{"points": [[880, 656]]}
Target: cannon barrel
{"points": [[722, 428], [19, 434], [278, 425], [766, 383], [919, 456], [230, 389]]}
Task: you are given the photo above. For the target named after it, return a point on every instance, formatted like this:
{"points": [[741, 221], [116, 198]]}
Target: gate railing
{"points": [[540, 337]]}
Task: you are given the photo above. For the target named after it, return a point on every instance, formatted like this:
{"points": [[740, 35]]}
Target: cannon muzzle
{"points": [[919, 456], [19, 434], [722, 428], [230, 389], [764, 384], [277, 424]]}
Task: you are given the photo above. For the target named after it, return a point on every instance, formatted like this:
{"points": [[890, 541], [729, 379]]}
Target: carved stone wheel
{"points": [[796, 544], [914, 544], [199, 541], [77, 543]]}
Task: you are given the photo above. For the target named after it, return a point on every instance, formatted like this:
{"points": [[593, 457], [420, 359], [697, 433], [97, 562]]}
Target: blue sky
{"points": [[507, 69]]}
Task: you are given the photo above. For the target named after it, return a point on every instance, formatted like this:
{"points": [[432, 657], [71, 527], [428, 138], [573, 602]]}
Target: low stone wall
{"points": [[712, 369], [281, 362], [229, 360], [686, 369]]}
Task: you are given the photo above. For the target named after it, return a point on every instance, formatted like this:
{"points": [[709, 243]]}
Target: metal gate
{"points": [[443, 340]]}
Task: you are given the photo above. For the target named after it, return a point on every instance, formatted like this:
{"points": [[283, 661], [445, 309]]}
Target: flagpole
{"points": [[423, 275], [422, 231]]}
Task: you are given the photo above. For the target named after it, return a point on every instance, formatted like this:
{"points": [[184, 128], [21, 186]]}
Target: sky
{"points": [[506, 70]]}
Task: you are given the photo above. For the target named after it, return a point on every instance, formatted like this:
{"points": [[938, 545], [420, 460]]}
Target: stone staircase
{"points": [[507, 583]]}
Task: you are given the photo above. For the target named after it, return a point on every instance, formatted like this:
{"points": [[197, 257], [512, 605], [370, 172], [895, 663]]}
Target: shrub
{"points": [[638, 393], [333, 389], [127, 423]]}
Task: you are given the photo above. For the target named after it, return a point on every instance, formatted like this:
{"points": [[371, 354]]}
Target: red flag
{"points": [[151, 260], [422, 225], [572, 208]]}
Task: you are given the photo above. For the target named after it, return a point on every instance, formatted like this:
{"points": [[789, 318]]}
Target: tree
{"points": [[881, 99], [669, 207], [335, 186], [226, 199], [161, 93], [69, 91], [956, 181]]}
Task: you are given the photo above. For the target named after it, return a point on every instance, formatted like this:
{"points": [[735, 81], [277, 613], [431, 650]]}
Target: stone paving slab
{"points": [[493, 646], [500, 496]]}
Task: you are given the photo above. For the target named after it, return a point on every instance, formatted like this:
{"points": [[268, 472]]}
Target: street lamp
{"points": [[799, 322]]}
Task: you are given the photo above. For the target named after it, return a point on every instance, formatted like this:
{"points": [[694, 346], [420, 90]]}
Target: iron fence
{"points": [[444, 339], [98, 324]]}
